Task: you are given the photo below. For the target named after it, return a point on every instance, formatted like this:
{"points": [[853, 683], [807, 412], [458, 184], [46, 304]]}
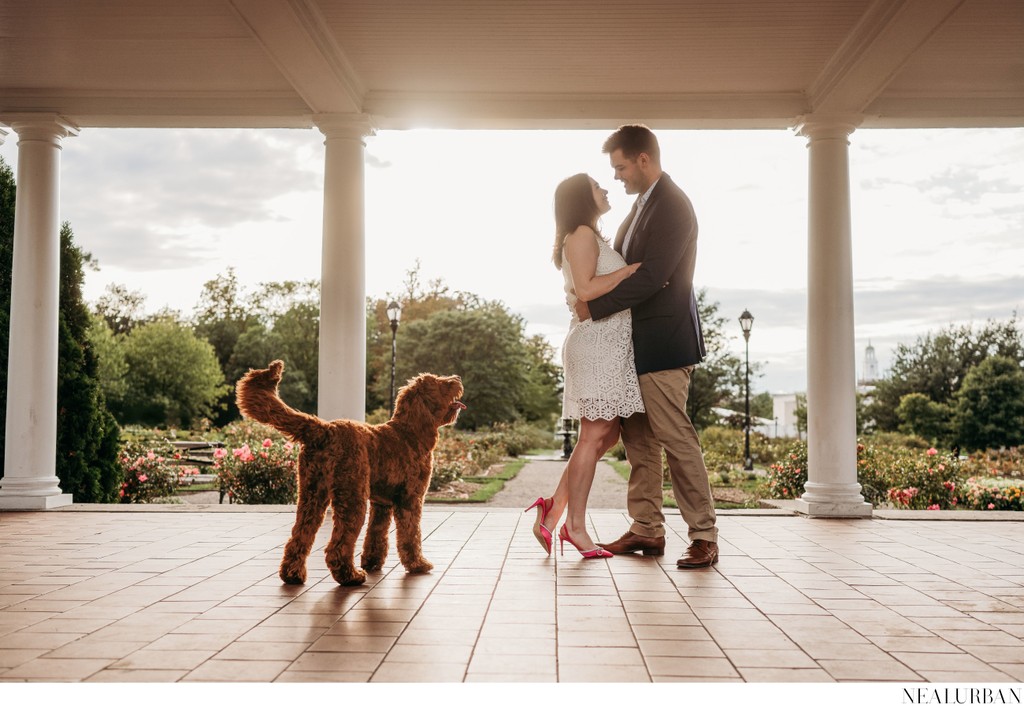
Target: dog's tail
{"points": [[256, 396]]}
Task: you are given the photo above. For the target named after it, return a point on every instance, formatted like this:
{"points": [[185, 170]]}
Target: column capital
{"points": [[3, 135], [354, 126], [40, 126], [834, 127]]}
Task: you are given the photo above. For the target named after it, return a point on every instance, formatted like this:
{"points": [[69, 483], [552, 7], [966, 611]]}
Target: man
{"points": [[661, 233]]}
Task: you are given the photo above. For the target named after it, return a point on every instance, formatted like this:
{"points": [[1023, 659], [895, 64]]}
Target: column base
{"points": [[23, 503], [850, 510], [833, 500]]}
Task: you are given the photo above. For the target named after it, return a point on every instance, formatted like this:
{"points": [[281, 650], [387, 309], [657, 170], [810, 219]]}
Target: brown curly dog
{"points": [[346, 463]]}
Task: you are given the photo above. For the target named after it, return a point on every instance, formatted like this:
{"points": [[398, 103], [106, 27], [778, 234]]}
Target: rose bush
{"points": [[146, 476], [258, 467]]}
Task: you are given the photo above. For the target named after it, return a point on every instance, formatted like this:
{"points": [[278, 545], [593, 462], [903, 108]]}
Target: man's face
{"points": [[630, 172]]}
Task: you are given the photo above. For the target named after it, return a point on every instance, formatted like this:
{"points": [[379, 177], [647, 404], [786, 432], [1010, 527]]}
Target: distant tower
{"points": [[870, 366]]}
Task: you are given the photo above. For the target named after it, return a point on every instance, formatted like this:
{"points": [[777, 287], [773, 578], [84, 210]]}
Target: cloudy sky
{"points": [[938, 220]]}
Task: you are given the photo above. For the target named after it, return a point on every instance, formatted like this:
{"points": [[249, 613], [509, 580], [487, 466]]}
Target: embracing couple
{"points": [[633, 342]]}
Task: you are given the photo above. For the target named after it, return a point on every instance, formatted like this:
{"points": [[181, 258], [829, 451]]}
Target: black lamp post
{"points": [[747, 322], [394, 313]]}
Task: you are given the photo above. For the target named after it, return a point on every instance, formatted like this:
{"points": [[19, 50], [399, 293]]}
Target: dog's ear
{"points": [[412, 400]]}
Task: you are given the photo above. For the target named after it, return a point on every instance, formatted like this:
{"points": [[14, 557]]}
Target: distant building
{"points": [[784, 412], [869, 371]]}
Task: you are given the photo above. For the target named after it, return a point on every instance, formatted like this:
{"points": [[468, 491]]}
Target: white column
{"points": [[341, 390], [30, 479], [832, 488]]}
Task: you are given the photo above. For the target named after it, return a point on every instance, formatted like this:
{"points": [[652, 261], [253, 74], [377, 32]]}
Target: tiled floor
{"points": [[193, 596]]}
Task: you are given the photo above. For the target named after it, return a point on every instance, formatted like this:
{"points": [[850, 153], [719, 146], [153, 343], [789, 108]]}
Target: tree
{"points": [[762, 405], [222, 315], [87, 434], [720, 379], [800, 413], [486, 347], [121, 308], [923, 417], [173, 375], [936, 365], [7, 200], [293, 340], [111, 365], [88, 437], [257, 348], [542, 400], [990, 405], [418, 302]]}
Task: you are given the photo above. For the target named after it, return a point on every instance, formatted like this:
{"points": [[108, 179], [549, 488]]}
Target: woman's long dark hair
{"points": [[574, 207]]}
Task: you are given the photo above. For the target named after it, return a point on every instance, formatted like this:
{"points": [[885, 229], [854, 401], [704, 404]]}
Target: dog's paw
{"points": [[420, 566], [356, 577], [293, 578], [371, 565]]}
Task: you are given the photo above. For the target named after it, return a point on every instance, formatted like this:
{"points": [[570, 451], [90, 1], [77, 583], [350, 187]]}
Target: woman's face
{"points": [[600, 197]]}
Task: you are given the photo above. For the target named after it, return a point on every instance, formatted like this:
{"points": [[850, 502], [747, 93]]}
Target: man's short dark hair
{"points": [[633, 140]]}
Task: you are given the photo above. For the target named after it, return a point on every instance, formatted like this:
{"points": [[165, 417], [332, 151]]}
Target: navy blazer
{"points": [[666, 326]]}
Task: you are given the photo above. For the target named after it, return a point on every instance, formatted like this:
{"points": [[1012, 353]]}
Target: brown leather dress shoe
{"points": [[700, 554], [630, 542]]}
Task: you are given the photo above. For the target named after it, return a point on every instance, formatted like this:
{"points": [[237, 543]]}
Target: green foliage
{"points": [[486, 347], [720, 379], [786, 477], [762, 405], [120, 308], [920, 416], [460, 455], [937, 365], [994, 494], [1007, 462], [452, 459], [111, 365], [173, 376], [906, 478], [990, 405], [87, 434], [727, 444]]}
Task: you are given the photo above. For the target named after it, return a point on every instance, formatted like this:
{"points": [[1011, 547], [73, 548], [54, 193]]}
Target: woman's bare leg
{"points": [[596, 438]]}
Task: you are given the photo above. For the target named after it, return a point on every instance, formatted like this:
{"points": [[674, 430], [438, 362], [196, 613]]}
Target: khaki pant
{"points": [[666, 425]]}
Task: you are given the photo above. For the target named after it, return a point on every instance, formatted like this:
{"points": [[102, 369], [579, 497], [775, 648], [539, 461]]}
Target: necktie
{"points": [[632, 225]]}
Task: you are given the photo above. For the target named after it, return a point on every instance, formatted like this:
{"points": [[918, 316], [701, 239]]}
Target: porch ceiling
{"points": [[514, 63]]}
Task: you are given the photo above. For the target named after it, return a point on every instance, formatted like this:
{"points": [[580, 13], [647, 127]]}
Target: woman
{"points": [[597, 359]]}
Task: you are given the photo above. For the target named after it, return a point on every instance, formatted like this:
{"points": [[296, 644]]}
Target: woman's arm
{"points": [[581, 252]]}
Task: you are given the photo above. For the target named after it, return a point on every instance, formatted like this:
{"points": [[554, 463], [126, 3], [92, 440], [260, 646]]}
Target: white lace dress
{"points": [[597, 357]]}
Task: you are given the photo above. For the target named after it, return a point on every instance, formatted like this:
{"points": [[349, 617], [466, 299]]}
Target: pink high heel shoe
{"points": [[540, 531], [596, 552]]}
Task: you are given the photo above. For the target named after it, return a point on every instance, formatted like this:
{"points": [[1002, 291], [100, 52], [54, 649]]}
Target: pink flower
{"points": [[219, 453], [933, 507], [243, 453], [150, 455], [288, 446], [268, 443], [991, 506], [142, 477], [932, 451], [264, 455]]}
